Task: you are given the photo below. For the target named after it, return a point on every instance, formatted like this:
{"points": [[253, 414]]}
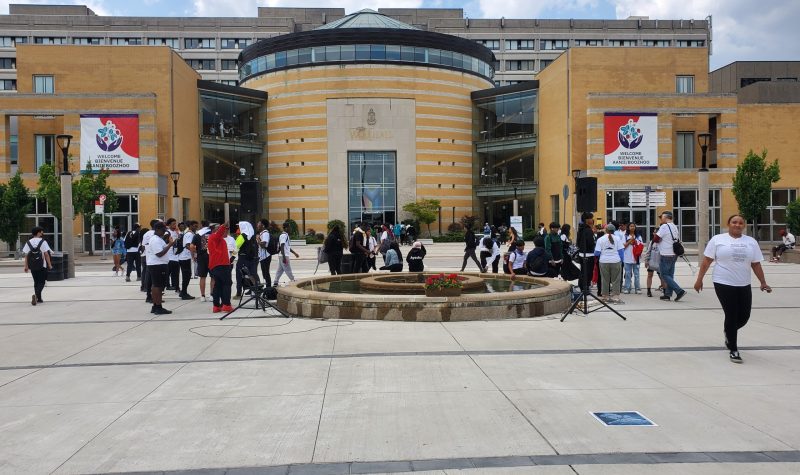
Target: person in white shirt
{"points": [[788, 243], [284, 248], [147, 282], [735, 255], [264, 257], [610, 252], [37, 262], [633, 250], [666, 235], [158, 266], [516, 260], [489, 249], [185, 259], [372, 247], [174, 267]]}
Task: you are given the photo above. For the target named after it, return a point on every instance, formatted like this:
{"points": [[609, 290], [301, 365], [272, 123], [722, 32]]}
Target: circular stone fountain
{"points": [[401, 296]]}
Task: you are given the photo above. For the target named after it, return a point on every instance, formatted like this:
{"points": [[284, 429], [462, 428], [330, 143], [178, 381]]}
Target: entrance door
{"points": [[121, 220]]}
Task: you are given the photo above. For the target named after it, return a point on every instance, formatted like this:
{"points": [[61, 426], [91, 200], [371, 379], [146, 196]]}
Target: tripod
{"points": [[584, 296], [258, 293]]}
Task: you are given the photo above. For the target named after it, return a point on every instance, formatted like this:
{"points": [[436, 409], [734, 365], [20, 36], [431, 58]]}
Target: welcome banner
{"points": [[631, 141], [110, 142]]}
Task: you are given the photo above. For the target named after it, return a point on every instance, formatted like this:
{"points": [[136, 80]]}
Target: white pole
{"points": [[103, 232], [67, 217]]}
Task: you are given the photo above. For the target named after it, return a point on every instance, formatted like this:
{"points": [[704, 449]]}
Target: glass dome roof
{"points": [[367, 19]]}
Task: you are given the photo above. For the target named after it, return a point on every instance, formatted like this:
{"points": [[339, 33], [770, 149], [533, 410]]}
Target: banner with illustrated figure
{"points": [[631, 141], [110, 142]]}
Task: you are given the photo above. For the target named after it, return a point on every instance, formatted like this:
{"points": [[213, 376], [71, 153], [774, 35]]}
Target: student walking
{"points": [[736, 255], [666, 236], [118, 251], [470, 244], [37, 262], [284, 248]]}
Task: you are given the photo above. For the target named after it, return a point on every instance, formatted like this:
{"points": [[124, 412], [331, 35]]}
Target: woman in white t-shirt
{"points": [[735, 255], [610, 251]]}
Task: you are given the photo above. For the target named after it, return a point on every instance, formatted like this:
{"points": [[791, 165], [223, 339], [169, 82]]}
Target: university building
{"points": [[364, 113]]}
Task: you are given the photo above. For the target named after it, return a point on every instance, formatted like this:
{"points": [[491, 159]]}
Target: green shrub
{"points": [[315, 239], [337, 222], [455, 228], [469, 222], [529, 234], [793, 217], [449, 237]]}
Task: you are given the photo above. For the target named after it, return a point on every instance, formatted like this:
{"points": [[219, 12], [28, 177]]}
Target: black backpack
{"points": [[178, 244], [35, 257], [249, 248], [272, 245], [131, 239]]}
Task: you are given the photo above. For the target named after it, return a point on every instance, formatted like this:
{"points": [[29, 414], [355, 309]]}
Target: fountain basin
{"points": [[313, 297]]}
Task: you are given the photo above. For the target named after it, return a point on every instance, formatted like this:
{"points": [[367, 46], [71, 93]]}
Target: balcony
{"points": [[493, 186]]}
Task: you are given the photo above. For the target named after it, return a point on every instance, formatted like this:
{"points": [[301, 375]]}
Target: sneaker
{"points": [[153, 309], [216, 309], [227, 308], [162, 311], [735, 358], [665, 297], [680, 295], [237, 296], [33, 299], [649, 293], [203, 298], [626, 291], [638, 291], [127, 278], [39, 301], [187, 297]]}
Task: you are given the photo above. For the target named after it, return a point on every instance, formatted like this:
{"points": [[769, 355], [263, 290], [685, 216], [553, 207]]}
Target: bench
{"points": [[791, 256]]}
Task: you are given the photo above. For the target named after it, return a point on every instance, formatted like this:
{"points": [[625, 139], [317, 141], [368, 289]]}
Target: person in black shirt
{"points": [[415, 257], [585, 243], [334, 248], [469, 250]]}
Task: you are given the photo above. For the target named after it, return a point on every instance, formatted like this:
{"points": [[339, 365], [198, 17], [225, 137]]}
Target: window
{"points": [[691, 43], [8, 63], [684, 204], [656, 43], [773, 219], [11, 41], [588, 42], [49, 40], [162, 206], [202, 64], [684, 84], [234, 43], [555, 44], [125, 41], [228, 82], [44, 149], [520, 44], [493, 45], [544, 63], [88, 41], [743, 82], [173, 43], [555, 216], [372, 186], [684, 150], [622, 43], [786, 79], [523, 65], [618, 209], [8, 84], [228, 64], [43, 85], [200, 43]]}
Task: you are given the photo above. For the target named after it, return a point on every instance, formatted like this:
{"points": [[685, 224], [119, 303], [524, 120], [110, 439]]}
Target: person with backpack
{"points": [[284, 248], [200, 250], [469, 250], [133, 240], [517, 261], [37, 262], [667, 237], [185, 256], [266, 243], [537, 260], [247, 254]]}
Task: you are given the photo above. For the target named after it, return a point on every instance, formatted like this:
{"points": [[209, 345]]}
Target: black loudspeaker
{"points": [[250, 192], [586, 192]]}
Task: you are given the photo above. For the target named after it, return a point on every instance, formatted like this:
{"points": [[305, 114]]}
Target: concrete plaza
{"points": [[91, 382]]}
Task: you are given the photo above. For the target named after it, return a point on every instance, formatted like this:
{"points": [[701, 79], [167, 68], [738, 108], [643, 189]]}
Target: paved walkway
{"points": [[90, 382]]}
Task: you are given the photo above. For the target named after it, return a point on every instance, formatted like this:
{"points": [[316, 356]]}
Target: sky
{"points": [[743, 30]]}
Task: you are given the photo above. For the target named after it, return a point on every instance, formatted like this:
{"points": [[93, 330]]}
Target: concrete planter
{"points": [[445, 292]]}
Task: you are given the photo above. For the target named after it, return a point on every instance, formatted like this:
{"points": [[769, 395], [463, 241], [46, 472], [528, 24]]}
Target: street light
{"points": [[176, 201], [67, 212], [702, 196]]}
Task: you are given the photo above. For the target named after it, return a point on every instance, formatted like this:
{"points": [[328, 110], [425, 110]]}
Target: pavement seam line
{"points": [[503, 393], [126, 411], [324, 394]]}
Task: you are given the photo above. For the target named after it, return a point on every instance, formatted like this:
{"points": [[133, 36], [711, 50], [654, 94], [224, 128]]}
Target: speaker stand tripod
{"points": [[584, 297]]}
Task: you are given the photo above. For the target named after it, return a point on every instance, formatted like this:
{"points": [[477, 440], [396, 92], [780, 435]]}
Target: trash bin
{"points": [[56, 272], [347, 264], [66, 265]]}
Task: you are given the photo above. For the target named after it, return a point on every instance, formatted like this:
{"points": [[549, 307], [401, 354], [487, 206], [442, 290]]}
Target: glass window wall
{"points": [[372, 187]]}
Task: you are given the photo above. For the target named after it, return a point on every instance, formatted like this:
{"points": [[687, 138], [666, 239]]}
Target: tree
{"points": [[424, 211], [15, 203], [752, 185], [793, 217], [88, 189], [49, 189]]}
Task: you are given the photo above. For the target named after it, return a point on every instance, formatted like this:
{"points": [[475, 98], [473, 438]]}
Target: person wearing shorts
{"points": [[158, 266], [200, 248]]}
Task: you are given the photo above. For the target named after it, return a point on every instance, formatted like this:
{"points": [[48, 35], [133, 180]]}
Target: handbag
{"points": [[322, 256], [677, 246]]}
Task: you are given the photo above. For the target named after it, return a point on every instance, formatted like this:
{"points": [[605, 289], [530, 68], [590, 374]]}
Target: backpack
{"points": [[249, 248], [178, 244], [272, 245], [35, 257], [677, 246], [204, 242], [352, 245], [131, 240], [536, 262]]}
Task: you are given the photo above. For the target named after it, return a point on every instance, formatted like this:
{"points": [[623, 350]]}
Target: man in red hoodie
{"points": [[219, 266]]}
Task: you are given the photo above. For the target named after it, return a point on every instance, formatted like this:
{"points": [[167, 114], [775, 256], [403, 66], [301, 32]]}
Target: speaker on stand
{"points": [[586, 194], [251, 201]]}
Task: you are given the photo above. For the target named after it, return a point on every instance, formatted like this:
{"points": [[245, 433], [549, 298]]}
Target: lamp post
{"points": [[702, 196], [176, 200], [67, 212]]}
